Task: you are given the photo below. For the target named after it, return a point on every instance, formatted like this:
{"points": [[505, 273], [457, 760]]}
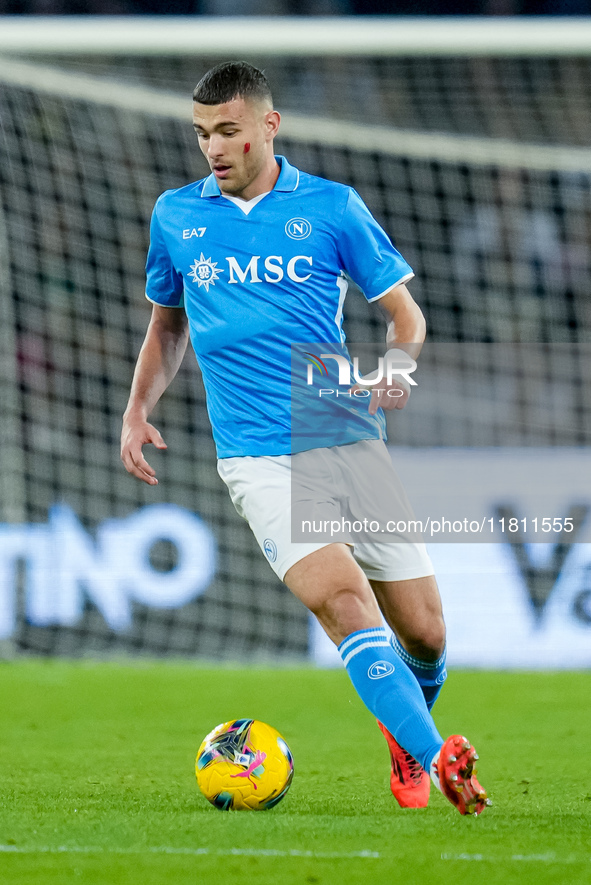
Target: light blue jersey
{"points": [[256, 278]]}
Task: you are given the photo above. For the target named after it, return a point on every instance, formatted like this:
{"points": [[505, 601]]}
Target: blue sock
{"points": [[430, 675], [388, 688]]}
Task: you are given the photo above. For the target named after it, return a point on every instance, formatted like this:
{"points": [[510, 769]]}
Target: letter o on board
{"points": [[195, 546]]}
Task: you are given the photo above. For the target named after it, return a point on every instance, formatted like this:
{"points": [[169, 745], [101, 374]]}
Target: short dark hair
{"points": [[232, 79]]}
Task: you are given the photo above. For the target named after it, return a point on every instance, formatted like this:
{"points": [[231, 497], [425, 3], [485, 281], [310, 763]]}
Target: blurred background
{"points": [[468, 139]]}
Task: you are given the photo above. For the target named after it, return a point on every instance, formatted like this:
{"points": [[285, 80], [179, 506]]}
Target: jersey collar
{"points": [[289, 178]]}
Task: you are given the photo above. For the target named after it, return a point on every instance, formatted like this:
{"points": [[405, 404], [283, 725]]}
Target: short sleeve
{"points": [[367, 253], [164, 285]]}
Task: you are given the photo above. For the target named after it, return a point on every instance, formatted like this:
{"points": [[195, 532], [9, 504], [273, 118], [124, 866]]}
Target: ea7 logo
{"points": [[273, 272], [380, 669]]}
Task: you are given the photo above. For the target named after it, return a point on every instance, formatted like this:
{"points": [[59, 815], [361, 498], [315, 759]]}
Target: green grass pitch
{"points": [[97, 782]]}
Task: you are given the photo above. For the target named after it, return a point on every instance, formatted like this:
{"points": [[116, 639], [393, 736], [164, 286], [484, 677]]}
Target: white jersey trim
{"points": [[174, 306], [246, 205], [343, 287], [402, 280]]}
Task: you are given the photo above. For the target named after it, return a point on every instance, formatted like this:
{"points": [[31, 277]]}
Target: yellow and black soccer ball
{"points": [[244, 764]]}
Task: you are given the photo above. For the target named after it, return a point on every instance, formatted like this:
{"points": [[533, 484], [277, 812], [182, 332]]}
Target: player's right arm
{"points": [[158, 362]]}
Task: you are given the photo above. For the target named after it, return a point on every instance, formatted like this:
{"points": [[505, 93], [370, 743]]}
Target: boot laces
{"points": [[415, 769]]}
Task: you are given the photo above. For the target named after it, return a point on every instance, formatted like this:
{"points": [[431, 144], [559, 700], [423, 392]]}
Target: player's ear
{"points": [[272, 120]]}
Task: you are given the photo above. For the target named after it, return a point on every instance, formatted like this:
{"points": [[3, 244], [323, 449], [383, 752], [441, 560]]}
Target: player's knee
{"points": [[427, 643], [346, 609]]}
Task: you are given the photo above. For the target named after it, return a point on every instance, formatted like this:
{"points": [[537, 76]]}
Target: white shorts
{"points": [[260, 489]]}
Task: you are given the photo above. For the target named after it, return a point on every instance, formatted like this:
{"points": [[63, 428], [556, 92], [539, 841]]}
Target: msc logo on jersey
{"points": [[297, 269], [380, 669], [271, 269], [204, 272], [298, 228]]}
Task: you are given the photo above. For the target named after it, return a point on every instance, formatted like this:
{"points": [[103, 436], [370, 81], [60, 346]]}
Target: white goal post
{"points": [[280, 36]]}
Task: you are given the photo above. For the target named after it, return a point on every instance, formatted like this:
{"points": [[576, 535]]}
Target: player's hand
{"points": [[388, 396], [135, 434]]}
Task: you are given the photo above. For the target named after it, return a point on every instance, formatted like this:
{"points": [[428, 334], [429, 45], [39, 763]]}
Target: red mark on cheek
{"points": [[247, 147]]}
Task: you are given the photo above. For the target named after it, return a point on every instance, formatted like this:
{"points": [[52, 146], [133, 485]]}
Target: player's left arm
{"points": [[405, 331], [406, 323]]}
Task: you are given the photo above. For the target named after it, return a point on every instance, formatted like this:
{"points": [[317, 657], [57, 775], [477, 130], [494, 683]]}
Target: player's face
{"points": [[236, 138]]}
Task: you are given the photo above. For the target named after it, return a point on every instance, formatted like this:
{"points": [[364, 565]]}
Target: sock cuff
{"points": [[416, 662], [373, 637]]}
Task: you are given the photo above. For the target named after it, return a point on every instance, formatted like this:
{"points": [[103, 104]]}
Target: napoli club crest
{"points": [[270, 548]]}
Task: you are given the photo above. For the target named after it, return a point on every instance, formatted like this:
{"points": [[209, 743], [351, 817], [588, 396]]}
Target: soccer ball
{"points": [[244, 764]]}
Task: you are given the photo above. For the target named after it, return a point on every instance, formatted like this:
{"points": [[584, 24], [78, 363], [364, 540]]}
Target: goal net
{"points": [[476, 166]]}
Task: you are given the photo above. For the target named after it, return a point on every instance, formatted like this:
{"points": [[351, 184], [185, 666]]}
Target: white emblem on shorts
{"points": [[298, 228], [204, 272], [270, 548], [380, 669]]}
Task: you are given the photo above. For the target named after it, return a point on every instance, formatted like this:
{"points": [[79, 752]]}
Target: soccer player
{"points": [[245, 262]]}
